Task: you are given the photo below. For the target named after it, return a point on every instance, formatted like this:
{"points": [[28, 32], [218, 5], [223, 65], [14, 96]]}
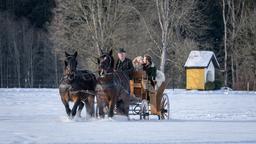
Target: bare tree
{"points": [[163, 11], [225, 42], [238, 17], [91, 24], [172, 16]]}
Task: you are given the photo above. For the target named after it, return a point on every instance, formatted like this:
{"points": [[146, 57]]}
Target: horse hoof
{"points": [[71, 117]]}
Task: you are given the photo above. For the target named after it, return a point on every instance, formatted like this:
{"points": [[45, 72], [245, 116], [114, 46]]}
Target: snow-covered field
{"points": [[38, 116]]}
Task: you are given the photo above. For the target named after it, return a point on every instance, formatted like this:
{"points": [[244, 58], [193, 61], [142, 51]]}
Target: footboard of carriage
{"points": [[146, 100]]}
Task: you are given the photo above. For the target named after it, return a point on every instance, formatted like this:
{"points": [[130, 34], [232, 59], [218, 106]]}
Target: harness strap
{"points": [[83, 91]]}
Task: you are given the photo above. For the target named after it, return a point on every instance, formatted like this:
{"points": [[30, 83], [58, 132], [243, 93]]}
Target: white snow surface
{"points": [[31, 116]]}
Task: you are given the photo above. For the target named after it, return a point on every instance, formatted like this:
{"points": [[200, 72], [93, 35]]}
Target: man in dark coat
{"points": [[123, 63]]}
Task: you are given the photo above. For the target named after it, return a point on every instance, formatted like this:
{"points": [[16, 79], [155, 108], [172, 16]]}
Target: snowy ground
{"points": [[38, 116]]}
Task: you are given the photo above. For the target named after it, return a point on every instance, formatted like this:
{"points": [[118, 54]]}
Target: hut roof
{"points": [[201, 59]]}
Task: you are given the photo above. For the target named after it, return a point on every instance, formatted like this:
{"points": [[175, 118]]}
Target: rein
{"points": [[107, 80], [67, 78], [83, 91]]}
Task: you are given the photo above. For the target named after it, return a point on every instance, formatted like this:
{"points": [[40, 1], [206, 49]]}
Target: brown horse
{"points": [[112, 88], [77, 86]]}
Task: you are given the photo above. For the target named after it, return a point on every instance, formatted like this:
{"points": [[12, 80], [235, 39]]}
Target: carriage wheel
{"points": [[165, 107], [136, 109]]}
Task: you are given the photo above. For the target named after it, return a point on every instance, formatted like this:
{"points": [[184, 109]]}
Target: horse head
{"points": [[106, 63], [70, 65]]}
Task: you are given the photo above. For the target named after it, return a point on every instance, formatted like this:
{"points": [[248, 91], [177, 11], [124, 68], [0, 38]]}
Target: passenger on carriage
{"points": [[156, 77], [138, 63], [150, 69]]}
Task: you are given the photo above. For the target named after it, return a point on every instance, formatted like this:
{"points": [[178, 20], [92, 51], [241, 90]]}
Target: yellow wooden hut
{"points": [[200, 68]]}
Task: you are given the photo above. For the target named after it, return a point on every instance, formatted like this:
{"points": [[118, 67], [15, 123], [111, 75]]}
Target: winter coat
{"points": [[125, 66], [150, 70]]}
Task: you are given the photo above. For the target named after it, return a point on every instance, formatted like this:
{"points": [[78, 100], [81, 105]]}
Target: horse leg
{"points": [[65, 102], [101, 112], [74, 109], [119, 107], [126, 109], [111, 107], [123, 104], [126, 105], [90, 106], [80, 108], [68, 110], [100, 105]]}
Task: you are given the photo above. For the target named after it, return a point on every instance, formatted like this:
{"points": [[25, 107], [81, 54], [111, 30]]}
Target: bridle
{"points": [[108, 69]]}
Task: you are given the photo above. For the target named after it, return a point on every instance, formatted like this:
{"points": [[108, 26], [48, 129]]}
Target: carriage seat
{"points": [[138, 78], [138, 83]]}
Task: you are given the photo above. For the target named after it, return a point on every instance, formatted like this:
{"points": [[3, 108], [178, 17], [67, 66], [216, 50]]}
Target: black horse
{"points": [[112, 88], [77, 86]]}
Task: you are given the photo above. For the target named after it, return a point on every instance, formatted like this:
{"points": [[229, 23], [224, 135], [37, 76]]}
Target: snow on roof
{"points": [[201, 59]]}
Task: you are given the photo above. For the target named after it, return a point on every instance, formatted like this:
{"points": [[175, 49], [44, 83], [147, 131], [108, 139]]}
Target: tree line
{"points": [[26, 57], [35, 34]]}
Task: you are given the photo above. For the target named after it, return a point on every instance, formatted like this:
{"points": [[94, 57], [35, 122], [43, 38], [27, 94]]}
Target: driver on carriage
{"points": [[124, 64]]}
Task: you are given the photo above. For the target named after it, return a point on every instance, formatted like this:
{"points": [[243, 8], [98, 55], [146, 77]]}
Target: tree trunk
{"points": [[225, 44], [7, 68], [56, 69], [1, 64], [237, 74], [163, 55], [32, 58], [232, 46], [233, 72], [17, 57], [254, 81], [95, 26], [163, 18]]}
